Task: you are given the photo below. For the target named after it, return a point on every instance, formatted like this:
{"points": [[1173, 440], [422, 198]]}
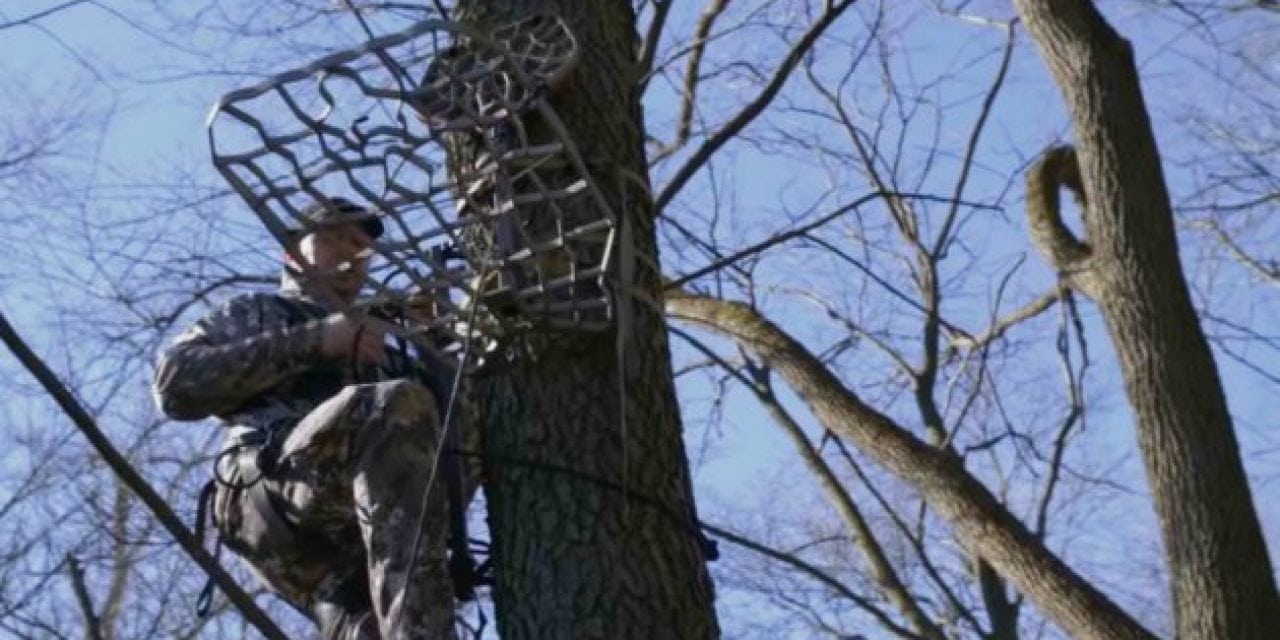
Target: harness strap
{"points": [[462, 567], [206, 510], [263, 464]]}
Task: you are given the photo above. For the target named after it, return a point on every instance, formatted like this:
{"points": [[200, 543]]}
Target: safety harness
{"points": [[252, 454]]}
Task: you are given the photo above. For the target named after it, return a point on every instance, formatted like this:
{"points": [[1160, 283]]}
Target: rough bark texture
{"points": [[1221, 573], [980, 522], [592, 525]]}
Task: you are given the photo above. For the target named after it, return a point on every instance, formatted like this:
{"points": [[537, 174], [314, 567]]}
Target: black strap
{"points": [[206, 509], [267, 440], [462, 567], [206, 503]]}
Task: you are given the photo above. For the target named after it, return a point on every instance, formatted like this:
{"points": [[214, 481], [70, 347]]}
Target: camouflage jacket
{"points": [[255, 362]]}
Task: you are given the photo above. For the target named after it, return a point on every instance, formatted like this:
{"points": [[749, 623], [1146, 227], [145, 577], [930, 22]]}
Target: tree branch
{"points": [[811, 571], [189, 542], [112, 607], [1270, 274], [93, 629], [882, 571], [944, 236], [1066, 254], [40, 15], [1001, 326], [753, 109], [691, 71], [916, 542], [980, 522], [653, 35]]}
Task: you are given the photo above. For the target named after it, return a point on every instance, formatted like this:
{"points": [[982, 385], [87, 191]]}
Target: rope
{"points": [[446, 426]]}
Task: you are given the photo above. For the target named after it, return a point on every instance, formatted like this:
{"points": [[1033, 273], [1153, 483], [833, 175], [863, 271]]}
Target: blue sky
{"points": [[134, 76]]}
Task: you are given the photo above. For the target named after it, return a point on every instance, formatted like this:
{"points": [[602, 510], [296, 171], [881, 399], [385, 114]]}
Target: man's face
{"points": [[339, 255]]}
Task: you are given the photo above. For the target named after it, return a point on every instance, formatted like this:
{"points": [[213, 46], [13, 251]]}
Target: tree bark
{"points": [[980, 522], [1221, 573], [593, 532]]}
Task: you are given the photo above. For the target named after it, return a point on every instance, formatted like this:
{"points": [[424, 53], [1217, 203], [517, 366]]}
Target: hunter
{"points": [[332, 438]]}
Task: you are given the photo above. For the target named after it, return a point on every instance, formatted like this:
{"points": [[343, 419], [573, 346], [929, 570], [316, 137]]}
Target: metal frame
{"points": [[494, 247]]}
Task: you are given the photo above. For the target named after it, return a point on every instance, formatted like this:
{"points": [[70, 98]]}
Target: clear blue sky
{"points": [[155, 135]]}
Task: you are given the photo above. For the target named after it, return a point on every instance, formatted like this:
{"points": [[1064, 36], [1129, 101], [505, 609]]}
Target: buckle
{"points": [[251, 438]]}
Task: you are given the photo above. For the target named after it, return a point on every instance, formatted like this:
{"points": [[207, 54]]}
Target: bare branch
{"points": [[93, 630], [1065, 254], [1075, 414], [1268, 273], [813, 572], [757, 381], [691, 80], [988, 101], [978, 519], [189, 542], [917, 543], [753, 109], [882, 571], [40, 15], [1001, 326], [797, 232], [653, 35]]}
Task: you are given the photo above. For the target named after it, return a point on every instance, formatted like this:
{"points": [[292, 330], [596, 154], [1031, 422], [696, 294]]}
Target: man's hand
{"points": [[344, 334], [420, 308]]}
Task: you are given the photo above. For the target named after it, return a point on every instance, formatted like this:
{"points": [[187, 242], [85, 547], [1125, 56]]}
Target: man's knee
{"points": [[401, 404], [402, 390], [408, 398], [399, 394]]}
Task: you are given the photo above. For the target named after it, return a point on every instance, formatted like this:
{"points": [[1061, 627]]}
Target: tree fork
{"points": [[980, 522], [1218, 560]]}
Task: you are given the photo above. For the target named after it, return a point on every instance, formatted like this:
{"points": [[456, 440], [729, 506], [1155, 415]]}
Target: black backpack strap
{"points": [[206, 513]]}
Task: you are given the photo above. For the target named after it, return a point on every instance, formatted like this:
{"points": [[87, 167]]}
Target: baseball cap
{"points": [[334, 211]]}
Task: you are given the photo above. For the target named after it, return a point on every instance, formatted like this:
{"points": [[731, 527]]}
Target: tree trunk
{"points": [[980, 522], [593, 534], [1221, 574]]}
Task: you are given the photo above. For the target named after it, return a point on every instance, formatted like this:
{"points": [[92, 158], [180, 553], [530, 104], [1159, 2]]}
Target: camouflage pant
{"points": [[331, 529]]}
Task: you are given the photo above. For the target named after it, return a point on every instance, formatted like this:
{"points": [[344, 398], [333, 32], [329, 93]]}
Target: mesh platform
{"points": [[515, 236]]}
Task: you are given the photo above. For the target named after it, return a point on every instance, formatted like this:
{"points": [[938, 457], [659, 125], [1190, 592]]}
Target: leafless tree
{"points": [[837, 192]]}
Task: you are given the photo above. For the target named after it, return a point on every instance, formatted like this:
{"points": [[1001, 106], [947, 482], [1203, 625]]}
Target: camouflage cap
{"points": [[334, 211]]}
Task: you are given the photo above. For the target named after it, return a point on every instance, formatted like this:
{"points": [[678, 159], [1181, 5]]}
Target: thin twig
{"points": [[811, 571], [692, 72], [652, 37], [93, 629], [127, 474], [41, 14], [753, 109]]}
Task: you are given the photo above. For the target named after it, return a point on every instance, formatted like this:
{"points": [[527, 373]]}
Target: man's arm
{"points": [[230, 356]]}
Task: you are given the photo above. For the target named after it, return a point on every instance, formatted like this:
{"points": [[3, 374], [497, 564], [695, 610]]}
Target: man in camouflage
{"points": [[332, 441]]}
